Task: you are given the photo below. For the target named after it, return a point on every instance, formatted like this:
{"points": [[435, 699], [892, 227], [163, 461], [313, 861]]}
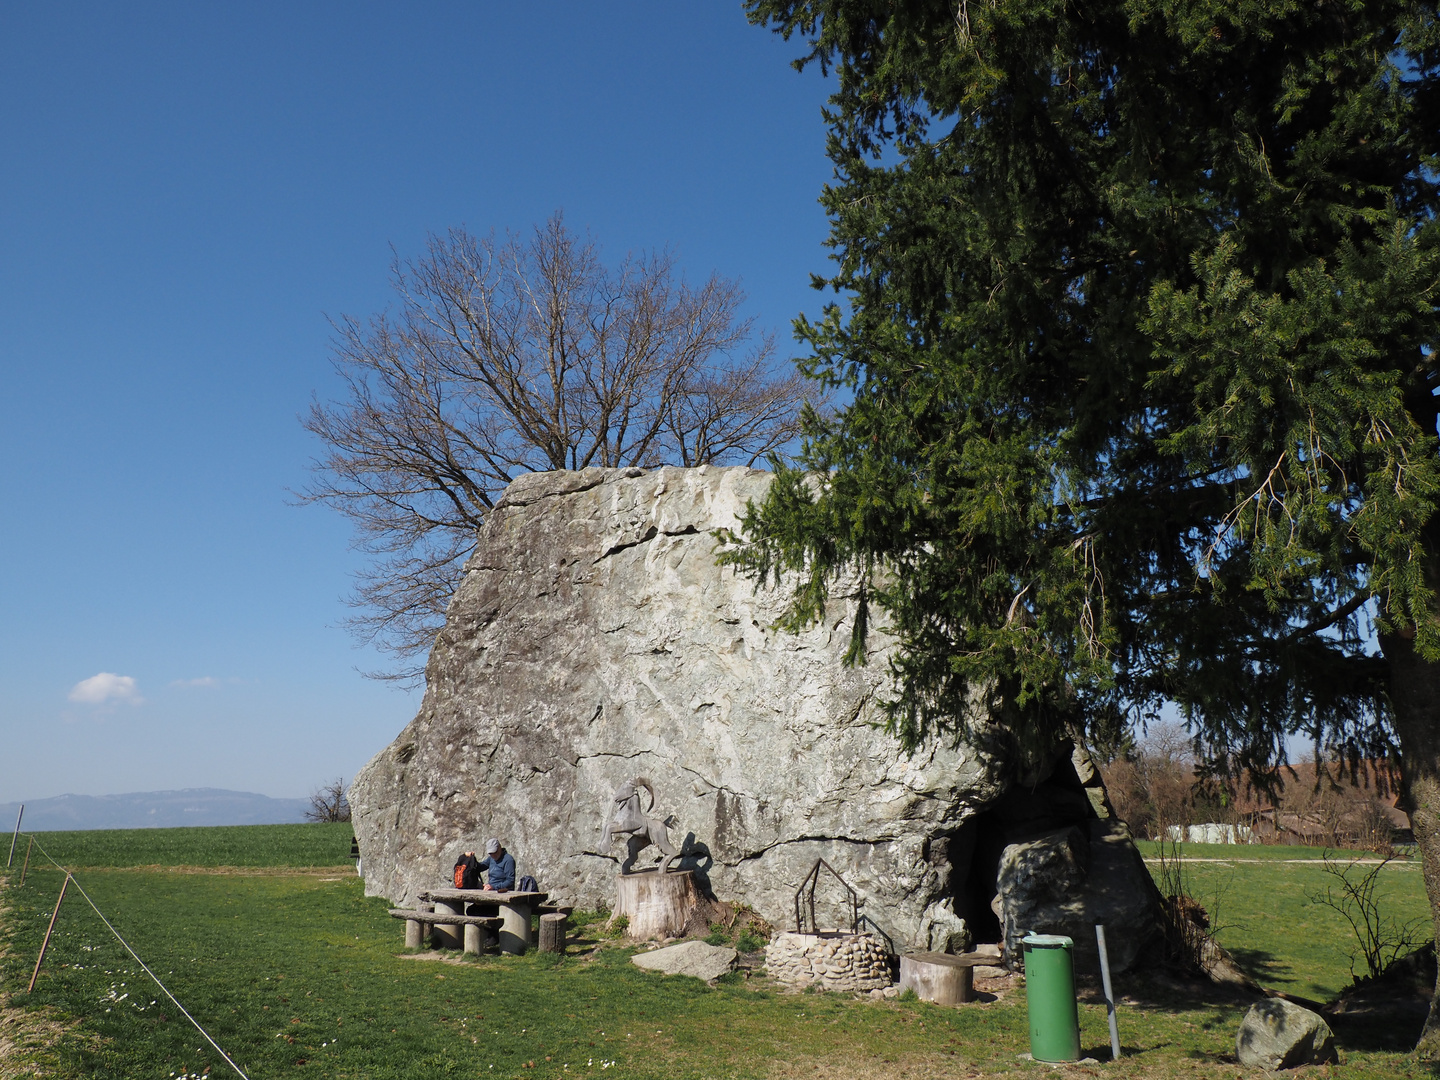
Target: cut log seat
{"points": [[552, 931], [479, 929], [939, 977]]}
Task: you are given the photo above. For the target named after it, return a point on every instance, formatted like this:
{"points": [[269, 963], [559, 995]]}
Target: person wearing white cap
{"points": [[500, 865]]}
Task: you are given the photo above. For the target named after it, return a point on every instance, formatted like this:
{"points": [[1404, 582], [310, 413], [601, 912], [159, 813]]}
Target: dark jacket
{"points": [[502, 872]]}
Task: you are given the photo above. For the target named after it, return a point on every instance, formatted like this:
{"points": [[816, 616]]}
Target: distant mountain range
{"points": [[153, 810]]}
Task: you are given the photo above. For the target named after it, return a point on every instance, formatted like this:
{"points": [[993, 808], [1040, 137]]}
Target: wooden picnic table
{"points": [[515, 910]]}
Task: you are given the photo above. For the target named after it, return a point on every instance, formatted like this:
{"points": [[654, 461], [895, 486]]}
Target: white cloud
{"points": [[203, 680], [104, 687]]}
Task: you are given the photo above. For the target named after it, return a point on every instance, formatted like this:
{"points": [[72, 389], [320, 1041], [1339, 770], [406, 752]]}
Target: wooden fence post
{"points": [[46, 943], [28, 848]]}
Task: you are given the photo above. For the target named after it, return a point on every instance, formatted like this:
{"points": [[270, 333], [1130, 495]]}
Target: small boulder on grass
{"points": [[1278, 1034], [688, 958]]}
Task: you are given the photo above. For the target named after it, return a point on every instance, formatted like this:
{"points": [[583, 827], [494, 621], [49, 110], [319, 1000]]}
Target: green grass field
{"points": [[1263, 903], [226, 845], [296, 973]]}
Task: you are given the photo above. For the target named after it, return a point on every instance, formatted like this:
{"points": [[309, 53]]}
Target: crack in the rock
{"points": [[752, 855], [615, 549], [583, 485], [650, 534]]}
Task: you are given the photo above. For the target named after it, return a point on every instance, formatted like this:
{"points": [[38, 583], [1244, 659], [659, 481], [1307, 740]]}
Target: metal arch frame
{"points": [[811, 880]]}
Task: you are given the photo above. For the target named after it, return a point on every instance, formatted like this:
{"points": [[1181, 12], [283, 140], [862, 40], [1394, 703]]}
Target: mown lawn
{"points": [[295, 973], [1264, 903], [225, 845]]}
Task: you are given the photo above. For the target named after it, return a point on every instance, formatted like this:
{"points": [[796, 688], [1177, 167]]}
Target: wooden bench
{"points": [[475, 941]]}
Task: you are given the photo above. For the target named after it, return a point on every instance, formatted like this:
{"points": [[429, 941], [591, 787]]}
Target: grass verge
{"points": [[300, 975]]}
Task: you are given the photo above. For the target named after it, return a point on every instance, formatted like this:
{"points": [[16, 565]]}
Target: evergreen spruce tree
{"points": [[1137, 304]]}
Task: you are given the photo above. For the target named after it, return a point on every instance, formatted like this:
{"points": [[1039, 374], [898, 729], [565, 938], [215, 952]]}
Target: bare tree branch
{"points": [[511, 355]]}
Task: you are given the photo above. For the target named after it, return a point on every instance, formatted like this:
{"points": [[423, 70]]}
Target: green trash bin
{"points": [[1050, 998]]}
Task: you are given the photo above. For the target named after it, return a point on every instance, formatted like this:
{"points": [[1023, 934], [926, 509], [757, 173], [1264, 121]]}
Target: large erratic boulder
{"points": [[594, 639]]}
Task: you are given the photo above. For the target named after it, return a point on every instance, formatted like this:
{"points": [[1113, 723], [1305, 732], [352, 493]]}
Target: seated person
{"points": [[501, 866]]}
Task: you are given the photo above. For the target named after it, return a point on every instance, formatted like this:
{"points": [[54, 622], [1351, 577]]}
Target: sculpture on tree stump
{"points": [[627, 819]]}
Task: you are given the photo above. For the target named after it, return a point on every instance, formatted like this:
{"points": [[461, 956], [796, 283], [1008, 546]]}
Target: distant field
{"points": [[300, 975], [218, 845]]}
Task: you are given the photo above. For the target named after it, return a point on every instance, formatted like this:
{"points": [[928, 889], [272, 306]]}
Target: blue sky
{"points": [[187, 191]]}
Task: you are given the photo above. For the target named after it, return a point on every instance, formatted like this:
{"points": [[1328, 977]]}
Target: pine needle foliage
{"points": [[1135, 302]]}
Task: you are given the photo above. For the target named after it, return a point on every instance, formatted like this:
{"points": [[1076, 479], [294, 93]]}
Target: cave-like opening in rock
{"points": [[1025, 811], [975, 852]]}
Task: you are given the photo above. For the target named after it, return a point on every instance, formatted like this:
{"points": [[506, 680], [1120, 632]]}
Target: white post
{"points": [[15, 836], [1109, 994]]}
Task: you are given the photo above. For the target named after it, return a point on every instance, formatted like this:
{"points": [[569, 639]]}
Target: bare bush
{"points": [[328, 803], [514, 355], [1379, 937]]}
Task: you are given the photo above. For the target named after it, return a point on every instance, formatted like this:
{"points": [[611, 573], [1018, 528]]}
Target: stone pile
{"points": [[833, 961]]}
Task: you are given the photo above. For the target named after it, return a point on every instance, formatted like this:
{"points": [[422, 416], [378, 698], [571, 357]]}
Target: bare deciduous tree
{"points": [[524, 355], [328, 803]]}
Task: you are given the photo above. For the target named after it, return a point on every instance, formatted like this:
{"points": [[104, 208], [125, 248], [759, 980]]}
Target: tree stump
{"points": [[552, 932], [657, 905], [938, 977]]}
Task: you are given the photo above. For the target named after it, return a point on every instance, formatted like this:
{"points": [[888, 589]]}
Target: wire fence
{"points": [[70, 877]]}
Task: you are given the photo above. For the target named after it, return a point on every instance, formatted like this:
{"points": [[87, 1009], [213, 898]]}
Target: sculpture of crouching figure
{"points": [[627, 819]]}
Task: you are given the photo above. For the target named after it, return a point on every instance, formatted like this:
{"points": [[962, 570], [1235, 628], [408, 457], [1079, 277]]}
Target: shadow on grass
{"points": [[1262, 966], [1101, 1053], [1388, 1034], [1170, 992]]}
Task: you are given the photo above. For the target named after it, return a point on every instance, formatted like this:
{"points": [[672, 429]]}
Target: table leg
{"points": [[447, 936], [514, 928]]}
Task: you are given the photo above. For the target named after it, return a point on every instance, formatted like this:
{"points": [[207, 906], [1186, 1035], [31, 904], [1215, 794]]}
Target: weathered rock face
{"points": [[1067, 881], [594, 640]]}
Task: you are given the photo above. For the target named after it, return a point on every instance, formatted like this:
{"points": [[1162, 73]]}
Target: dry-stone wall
{"points": [[829, 961], [594, 639]]}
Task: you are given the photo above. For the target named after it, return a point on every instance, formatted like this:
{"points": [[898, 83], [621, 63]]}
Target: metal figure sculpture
{"points": [[626, 818]]}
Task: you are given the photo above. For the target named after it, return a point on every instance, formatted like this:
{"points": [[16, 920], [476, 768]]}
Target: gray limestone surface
{"points": [[594, 639], [1278, 1034], [694, 958], [1067, 881]]}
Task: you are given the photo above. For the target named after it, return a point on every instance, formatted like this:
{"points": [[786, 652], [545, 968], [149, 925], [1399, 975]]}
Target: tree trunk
{"points": [[657, 905], [938, 977], [1415, 694]]}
